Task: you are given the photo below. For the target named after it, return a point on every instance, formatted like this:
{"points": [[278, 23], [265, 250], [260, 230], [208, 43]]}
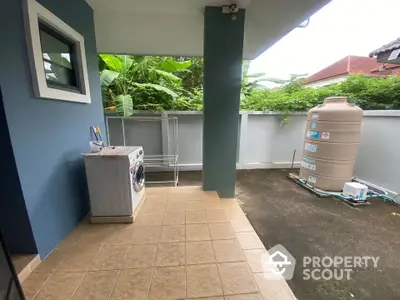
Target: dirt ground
{"points": [[283, 213]]}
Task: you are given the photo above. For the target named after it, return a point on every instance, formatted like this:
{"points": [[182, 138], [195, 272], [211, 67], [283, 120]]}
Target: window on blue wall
{"points": [[59, 59], [57, 56]]}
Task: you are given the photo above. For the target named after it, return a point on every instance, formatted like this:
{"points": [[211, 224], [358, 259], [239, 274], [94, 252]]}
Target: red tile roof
{"points": [[386, 67], [350, 65]]}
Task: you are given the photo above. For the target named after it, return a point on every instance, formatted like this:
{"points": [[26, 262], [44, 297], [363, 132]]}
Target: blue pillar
{"points": [[223, 54]]}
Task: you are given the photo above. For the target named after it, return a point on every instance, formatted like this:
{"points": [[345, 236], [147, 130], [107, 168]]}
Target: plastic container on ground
{"points": [[331, 143]]}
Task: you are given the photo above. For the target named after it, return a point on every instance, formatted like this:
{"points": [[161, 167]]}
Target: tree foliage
{"points": [[192, 77], [176, 83], [367, 92]]}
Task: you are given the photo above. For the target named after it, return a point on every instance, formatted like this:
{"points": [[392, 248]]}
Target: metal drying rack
{"points": [[165, 161]]}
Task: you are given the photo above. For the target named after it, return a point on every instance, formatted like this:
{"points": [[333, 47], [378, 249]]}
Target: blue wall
{"points": [[18, 235], [48, 136]]}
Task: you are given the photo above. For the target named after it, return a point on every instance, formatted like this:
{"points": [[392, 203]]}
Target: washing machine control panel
{"points": [[136, 156]]}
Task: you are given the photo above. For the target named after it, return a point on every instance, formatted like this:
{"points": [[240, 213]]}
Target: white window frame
{"points": [[34, 12]]}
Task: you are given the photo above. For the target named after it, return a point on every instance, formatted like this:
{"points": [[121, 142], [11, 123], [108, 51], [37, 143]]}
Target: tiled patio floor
{"points": [[184, 244]]}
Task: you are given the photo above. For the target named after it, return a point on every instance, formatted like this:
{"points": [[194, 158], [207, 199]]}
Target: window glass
{"points": [[58, 59]]}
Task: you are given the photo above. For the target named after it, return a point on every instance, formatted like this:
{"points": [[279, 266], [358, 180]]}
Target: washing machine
{"points": [[116, 181]]}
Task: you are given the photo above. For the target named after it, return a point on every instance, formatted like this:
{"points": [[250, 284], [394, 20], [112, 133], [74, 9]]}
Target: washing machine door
{"points": [[138, 176]]}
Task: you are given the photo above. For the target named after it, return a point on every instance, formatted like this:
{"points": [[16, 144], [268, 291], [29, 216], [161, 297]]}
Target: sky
{"points": [[343, 27]]}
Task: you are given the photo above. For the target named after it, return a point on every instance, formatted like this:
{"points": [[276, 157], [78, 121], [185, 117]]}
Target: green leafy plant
{"points": [[129, 81], [117, 75]]}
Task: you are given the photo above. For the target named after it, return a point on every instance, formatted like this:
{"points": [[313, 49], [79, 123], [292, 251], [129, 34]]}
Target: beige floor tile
{"points": [[273, 289], [256, 259], [176, 206], [140, 256], [228, 251], [51, 262], [171, 234], [24, 262], [203, 281], [60, 286], [249, 240], [233, 212], [197, 232], [168, 284], [149, 219], [157, 190], [156, 206], [153, 207], [186, 189], [174, 218], [230, 202], [170, 254], [199, 253], [72, 239], [213, 203], [221, 231], [236, 278], [110, 257], [147, 235], [23, 274], [245, 297], [132, 284], [210, 194], [33, 283], [195, 197], [216, 216], [96, 234], [21, 264], [122, 235], [156, 198], [285, 294], [196, 217], [93, 241], [241, 225], [207, 298], [96, 286], [195, 205], [79, 259], [177, 198]]}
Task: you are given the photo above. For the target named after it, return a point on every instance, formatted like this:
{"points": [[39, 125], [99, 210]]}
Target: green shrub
{"points": [[367, 92]]}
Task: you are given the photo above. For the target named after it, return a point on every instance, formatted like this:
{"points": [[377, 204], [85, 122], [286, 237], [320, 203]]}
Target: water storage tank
{"points": [[331, 142]]}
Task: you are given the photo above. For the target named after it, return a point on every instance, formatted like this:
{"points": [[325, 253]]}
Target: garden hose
{"points": [[388, 198], [339, 195]]}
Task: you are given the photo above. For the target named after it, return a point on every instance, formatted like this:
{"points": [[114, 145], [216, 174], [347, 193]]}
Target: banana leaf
{"points": [[168, 75], [156, 87], [124, 105], [119, 63], [107, 77], [170, 65]]}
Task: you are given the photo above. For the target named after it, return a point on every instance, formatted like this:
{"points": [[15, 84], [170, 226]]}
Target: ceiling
{"points": [[175, 27]]}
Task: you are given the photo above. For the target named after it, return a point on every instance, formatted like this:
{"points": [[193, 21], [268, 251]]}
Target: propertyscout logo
{"points": [[279, 264]]}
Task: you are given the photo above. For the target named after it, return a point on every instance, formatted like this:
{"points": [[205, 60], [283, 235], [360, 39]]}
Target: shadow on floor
{"points": [[283, 213]]}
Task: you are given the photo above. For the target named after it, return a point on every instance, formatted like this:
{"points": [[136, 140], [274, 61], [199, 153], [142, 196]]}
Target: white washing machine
{"points": [[116, 180]]}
